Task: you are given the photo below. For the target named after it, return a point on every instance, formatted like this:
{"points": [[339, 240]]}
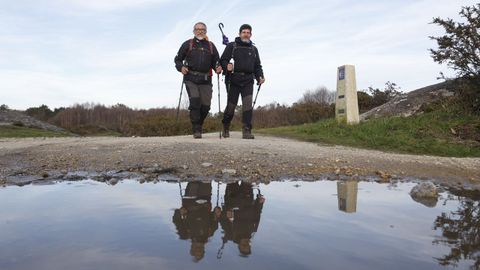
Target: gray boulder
{"points": [[425, 193]]}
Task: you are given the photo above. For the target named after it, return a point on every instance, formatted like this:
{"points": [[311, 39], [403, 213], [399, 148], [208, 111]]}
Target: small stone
{"points": [[229, 171], [45, 175], [207, 164], [383, 175], [309, 164], [113, 181], [185, 167]]}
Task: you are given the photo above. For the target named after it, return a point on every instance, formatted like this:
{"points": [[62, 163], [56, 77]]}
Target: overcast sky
{"points": [[62, 52]]}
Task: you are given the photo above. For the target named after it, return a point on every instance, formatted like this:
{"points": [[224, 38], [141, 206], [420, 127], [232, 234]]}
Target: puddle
{"points": [[207, 225]]}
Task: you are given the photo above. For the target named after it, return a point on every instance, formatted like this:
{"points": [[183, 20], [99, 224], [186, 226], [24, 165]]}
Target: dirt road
{"points": [[265, 158]]}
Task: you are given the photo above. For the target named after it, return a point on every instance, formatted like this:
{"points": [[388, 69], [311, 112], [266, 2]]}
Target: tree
{"points": [[364, 101], [42, 112], [460, 231], [3, 107], [459, 48], [378, 97], [321, 95]]}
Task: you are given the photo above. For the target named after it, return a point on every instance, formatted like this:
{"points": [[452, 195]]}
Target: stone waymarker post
{"points": [[346, 101], [347, 196]]}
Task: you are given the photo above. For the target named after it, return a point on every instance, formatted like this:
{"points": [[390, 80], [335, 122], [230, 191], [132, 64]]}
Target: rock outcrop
{"points": [[410, 103], [11, 117]]}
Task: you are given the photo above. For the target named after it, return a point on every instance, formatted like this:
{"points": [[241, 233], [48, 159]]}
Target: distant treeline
{"points": [[95, 119]]}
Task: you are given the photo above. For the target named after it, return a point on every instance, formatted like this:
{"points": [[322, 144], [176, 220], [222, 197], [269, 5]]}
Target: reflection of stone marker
{"points": [[347, 196], [346, 102]]}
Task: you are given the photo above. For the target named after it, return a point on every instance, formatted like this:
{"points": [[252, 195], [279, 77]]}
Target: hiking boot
{"points": [[226, 131], [197, 131], [197, 135], [247, 133]]}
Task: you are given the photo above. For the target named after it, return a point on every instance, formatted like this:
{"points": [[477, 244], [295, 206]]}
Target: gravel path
{"points": [[265, 158]]}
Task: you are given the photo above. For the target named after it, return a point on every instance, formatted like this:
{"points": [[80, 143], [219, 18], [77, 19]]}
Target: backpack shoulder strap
{"points": [[190, 46], [210, 45], [254, 49], [234, 48]]}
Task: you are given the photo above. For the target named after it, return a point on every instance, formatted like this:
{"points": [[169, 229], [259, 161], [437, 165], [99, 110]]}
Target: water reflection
{"points": [[460, 232], [239, 216], [195, 220], [347, 196], [212, 225]]}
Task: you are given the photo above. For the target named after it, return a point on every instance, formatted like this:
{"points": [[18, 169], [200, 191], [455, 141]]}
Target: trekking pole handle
{"points": [[220, 25]]}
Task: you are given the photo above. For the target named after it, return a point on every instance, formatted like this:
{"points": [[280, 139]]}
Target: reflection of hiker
{"points": [[195, 60], [241, 215], [195, 220], [242, 63]]}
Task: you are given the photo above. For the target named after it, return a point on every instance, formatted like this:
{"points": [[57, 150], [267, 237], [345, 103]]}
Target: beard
{"points": [[200, 37], [246, 40]]}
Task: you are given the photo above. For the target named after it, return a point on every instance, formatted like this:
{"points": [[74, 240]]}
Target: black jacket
{"points": [[247, 61], [198, 59]]}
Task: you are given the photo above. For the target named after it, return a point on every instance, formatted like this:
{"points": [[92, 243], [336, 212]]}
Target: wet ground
{"points": [[237, 225]]}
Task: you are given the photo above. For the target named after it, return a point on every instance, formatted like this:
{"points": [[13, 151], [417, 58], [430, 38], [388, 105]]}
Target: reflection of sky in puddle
{"points": [[90, 225]]}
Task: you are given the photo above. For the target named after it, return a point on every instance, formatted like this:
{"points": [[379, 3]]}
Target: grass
{"points": [[10, 131], [439, 133]]}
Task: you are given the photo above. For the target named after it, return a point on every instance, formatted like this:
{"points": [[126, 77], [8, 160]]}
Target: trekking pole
{"points": [[224, 42], [218, 191], [219, 108], [180, 100], [180, 186], [220, 250], [255, 101]]}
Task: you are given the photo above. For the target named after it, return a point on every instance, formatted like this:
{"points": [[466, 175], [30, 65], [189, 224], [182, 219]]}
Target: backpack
{"points": [[252, 48], [190, 47]]}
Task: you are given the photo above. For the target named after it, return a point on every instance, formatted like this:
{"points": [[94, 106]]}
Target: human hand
{"points": [[261, 80]]}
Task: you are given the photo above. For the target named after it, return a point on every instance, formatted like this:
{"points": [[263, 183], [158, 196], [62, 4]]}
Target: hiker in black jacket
{"points": [[195, 220], [240, 216], [242, 63], [195, 60]]}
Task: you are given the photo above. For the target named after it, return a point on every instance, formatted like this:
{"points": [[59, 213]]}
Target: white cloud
{"points": [[110, 5], [96, 57]]}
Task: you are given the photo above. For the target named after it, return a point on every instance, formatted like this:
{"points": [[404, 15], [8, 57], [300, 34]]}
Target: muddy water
{"points": [[282, 225]]}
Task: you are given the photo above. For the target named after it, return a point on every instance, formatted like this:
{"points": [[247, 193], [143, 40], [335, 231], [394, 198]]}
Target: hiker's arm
{"points": [[182, 53], [216, 60], [226, 56], [258, 67], [215, 57]]}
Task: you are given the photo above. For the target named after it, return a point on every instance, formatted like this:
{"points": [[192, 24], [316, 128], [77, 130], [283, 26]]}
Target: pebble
{"points": [[229, 171]]}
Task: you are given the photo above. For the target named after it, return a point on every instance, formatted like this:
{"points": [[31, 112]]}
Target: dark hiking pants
{"points": [[246, 91], [200, 96]]}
